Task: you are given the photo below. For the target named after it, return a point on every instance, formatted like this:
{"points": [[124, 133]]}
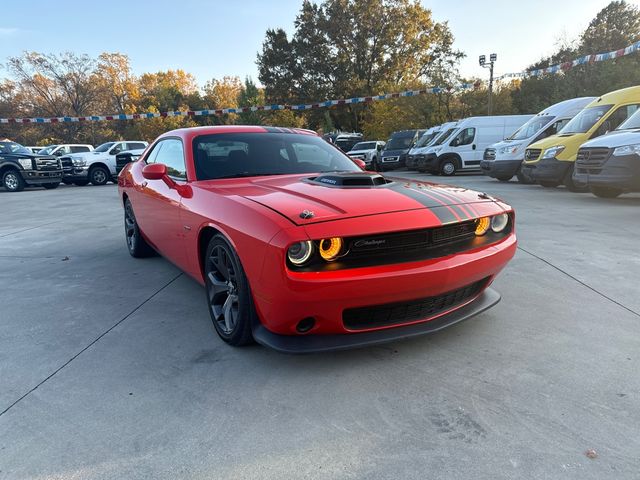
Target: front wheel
{"points": [[503, 178], [99, 175], [524, 178], [136, 244], [51, 186], [448, 167], [228, 293], [606, 192], [12, 181], [548, 184]]}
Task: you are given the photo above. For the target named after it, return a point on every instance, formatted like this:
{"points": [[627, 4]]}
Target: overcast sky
{"points": [[214, 38]]}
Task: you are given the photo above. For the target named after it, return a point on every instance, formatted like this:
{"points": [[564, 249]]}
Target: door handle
{"points": [[473, 147]]}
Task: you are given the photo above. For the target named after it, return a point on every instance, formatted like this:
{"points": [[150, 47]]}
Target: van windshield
{"points": [[400, 142], [426, 138], [532, 127], [586, 119], [630, 123], [443, 138]]}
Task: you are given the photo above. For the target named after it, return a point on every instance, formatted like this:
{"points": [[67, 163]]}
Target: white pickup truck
{"points": [[97, 167]]}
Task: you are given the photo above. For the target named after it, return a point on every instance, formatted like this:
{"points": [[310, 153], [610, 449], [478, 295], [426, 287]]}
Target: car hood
{"points": [[359, 152], [294, 196], [616, 138]]}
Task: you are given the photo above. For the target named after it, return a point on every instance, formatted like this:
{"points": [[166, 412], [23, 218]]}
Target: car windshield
{"points": [[12, 147], [104, 147], [234, 155], [399, 142], [632, 122], [425, 139], [532, 127], [364, 146], [586, 119], [47, 150], [443, 137]]}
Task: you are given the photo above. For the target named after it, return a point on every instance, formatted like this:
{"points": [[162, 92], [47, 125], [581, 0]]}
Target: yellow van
{"points": [[550, 162]]}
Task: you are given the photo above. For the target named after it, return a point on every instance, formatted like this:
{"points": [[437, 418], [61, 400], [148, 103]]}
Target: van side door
{"points": [[464, 145]]}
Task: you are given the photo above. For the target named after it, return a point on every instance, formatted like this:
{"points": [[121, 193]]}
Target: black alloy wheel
{"points": [[228, 294], [136, 244], [99, 175]]}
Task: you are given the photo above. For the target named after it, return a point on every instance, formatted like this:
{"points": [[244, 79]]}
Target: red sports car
{"points": [[300, 249]]}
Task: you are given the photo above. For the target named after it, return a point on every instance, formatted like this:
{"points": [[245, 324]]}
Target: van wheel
{"points": [[99, 175], [606, 192], [51, 186], [548, 184], [524, 179], [13, 181], [503, 178], [448, 167], [571, 185]]}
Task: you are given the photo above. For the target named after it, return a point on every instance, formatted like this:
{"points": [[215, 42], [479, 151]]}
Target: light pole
{"points": [[483, 63]]}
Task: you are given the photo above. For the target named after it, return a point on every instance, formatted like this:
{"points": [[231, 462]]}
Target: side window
{"points": [[552, 129], [465, 137], [79, 149], [171, 153], [135, 146], [614, 120], [117, 148]]}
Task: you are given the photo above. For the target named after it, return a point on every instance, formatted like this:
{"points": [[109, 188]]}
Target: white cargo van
{"points": [[465, 148], [423, 142], [419, 155], [502, 160]]}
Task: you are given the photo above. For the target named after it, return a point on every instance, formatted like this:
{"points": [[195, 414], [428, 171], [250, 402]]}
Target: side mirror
{"points": [[379, 147], [154, 171], [360, 163]]}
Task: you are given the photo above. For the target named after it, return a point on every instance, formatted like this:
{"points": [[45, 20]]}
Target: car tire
{"points": [[99, 175], [12, 181], [524, 179], [503, 178], [548, 184], [228, 293], [606, 192], [136, 244], [67, 182], [448, 167], [51, 186], [81, 183]]}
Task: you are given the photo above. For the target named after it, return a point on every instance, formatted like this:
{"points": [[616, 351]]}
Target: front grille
{"points": [[377, 316], [67, 165], [532, 153], [591, 160], [47, 164], [489, 154]]}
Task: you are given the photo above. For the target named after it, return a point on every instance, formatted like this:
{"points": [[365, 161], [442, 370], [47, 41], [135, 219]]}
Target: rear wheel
{"points": [[12, 181], [136, 244], [228, 294], [51, 186], [99, 175], [548, 184], [606, 192]]}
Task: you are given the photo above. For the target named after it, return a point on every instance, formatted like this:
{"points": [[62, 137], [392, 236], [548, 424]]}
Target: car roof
{"points": [[191, 132]]}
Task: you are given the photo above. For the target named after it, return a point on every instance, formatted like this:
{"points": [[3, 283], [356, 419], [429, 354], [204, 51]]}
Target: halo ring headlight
{"points": [[482, 226], [330, 248], [499, 222], [299, 253]]}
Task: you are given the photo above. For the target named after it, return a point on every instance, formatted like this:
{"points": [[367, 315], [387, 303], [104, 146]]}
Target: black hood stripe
{"points": [[464, 208], [443, 200], [444, 213]]}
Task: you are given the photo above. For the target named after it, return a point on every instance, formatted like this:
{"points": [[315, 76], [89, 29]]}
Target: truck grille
{"points": [[47, 164], [532, 153], [377, 316], [67, 165], [591, 160]]}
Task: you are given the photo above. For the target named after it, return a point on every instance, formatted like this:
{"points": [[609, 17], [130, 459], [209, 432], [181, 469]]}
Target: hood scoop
{"points": [[349, 180]]}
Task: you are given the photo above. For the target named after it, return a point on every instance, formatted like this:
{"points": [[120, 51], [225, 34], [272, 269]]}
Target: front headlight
{"points": [[26, 163], [499, 222], [553, 152], [77, 162], [299, 253], [627, 150], [509, 150], [330, 248]]}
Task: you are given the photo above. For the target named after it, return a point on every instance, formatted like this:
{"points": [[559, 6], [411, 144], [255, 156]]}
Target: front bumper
{"points": [[283, 299], [500, 168], [38, 177], [547, 170], [427, 162], [617, 172], [322, 343]]}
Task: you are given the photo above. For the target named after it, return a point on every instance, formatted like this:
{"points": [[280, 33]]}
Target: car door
{"points": [[157, 206], [110, 160], [463, 144]]}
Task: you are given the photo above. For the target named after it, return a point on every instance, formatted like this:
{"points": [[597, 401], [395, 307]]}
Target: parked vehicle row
{"points": [[79, 164]]}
